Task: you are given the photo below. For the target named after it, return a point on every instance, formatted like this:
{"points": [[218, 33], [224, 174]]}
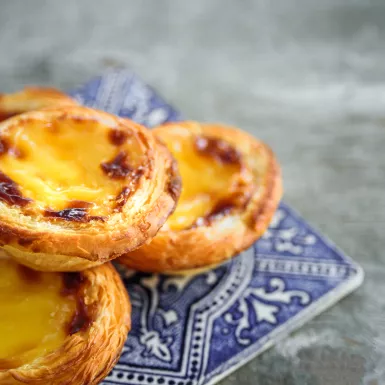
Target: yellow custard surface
{"points": [[32, 98], [57, 162], [33, 314], [205, 181]]}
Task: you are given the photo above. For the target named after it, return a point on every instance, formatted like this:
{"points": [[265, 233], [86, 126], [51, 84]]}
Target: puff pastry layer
{"points": [[79, 187], [231, 189], [60, 328], [32, 98]]}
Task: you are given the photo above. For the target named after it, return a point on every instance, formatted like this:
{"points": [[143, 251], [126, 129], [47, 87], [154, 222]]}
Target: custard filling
{"points": [[31, 98], [211, 171], [68, 162], [34, 314]]}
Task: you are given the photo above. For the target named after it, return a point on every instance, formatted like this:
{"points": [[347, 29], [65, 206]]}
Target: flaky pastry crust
{"points": [[211, 242], [86, 356], [56, 244], [32, 98]]}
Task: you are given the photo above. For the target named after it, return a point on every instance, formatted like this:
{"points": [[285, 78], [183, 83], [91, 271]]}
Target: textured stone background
{"points": [[306, 76]]}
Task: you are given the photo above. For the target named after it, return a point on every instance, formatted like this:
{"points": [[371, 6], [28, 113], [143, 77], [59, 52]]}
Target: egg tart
{"points": [[60, 328], [79, 187], [32, 98], [231, 189]]}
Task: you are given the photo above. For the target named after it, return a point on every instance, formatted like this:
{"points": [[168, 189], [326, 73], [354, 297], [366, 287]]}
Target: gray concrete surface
{"points": [[306, 76]]}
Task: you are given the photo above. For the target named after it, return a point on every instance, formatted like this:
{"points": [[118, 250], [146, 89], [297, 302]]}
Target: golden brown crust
{"points": [[210, 244], [32, 98], [85, 357], [54, 245]]}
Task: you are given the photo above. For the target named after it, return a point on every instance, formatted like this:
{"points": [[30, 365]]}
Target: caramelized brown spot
{"points": [[220, 210], [96, 218], [29, 275], [220, 150], [82, 318], [7, 148], [117, 168], [7, 234], [6, 115], [136, 175], [4, 146], [122, 198], [25, 241], [174, 187], [127, 191], [72, 283], [10, 193], [236, 201], [118, 137], [72, 215], [76, 204], [175, 182]]}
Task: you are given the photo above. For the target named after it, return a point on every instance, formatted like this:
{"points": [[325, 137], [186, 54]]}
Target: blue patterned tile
{"points": [[190, 330]]}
